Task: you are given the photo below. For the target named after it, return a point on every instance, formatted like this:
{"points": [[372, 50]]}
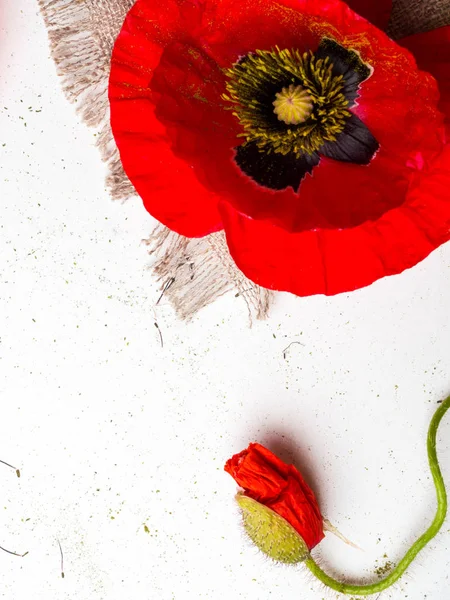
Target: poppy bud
{"points": [[281, 488]]}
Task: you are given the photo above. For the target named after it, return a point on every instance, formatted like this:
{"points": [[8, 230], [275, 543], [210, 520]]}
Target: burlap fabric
{"points": [[193, 272]]}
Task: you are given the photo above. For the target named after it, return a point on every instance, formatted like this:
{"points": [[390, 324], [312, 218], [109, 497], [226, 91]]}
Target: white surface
{"points": [[112, 432]]}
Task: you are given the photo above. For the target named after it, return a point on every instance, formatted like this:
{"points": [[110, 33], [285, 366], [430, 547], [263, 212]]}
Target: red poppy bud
{"points": [[280, 487]]}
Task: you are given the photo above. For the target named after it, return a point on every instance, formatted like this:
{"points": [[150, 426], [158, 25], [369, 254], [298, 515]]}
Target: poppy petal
{"points": [[298, 506], [377, 12], [355, 144], [259, 470], [275, 171], [432, 52], [186, 88], [167, 184], [346, 63], [331, 261]]}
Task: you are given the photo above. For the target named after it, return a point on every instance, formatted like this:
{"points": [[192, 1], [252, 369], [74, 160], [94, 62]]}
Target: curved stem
{"points": [[373, 588]]}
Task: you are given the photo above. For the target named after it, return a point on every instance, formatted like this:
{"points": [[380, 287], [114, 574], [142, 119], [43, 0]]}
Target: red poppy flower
{"points": [[295, 125], [280, 487]]}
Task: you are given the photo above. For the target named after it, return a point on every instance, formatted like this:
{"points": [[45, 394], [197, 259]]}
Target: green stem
{"points": [[373, 588]]}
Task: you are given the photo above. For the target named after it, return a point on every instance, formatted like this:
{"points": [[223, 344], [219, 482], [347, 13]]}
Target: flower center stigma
{"points": [[293, 105]]}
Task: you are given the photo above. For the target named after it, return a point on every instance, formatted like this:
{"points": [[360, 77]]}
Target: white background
{"points": [[112, 432]]}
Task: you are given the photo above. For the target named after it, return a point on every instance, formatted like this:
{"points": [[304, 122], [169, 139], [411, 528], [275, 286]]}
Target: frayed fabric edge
{"points": [[202, 269]]}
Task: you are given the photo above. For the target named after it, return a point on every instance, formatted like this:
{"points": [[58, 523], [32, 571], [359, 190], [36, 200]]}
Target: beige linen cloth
{"points": [[192, 272]]}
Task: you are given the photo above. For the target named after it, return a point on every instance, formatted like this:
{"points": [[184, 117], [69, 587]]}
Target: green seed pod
{"points": [[272, 534]]}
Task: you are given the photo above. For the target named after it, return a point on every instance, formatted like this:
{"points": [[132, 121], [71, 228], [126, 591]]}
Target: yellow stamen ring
{"points": [[306, 79]]}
